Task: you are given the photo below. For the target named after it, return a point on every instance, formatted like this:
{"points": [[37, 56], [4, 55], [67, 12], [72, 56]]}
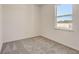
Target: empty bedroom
{"points": [[39, 28]]}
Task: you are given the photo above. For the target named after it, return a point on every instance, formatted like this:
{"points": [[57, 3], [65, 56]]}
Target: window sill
{"points": [[64, 29]]}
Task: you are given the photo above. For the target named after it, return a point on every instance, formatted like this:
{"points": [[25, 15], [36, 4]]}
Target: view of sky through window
{"points": [[64, 9]]}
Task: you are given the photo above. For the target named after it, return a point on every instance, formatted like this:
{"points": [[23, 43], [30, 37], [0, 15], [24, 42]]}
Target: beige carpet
{"points": [[36, 45]]}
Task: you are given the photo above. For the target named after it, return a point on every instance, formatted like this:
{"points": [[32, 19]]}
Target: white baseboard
{"points": [[42, 36], [60, 43], [21, 38]]}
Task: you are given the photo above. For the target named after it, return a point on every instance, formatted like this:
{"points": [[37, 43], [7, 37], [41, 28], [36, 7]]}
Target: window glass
{"points": [[64, 16]]}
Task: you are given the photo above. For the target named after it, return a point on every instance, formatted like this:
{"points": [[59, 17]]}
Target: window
{"points": [[64, 16]]}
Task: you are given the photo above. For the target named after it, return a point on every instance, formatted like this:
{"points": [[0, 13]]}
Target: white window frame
{"points": [[55, 6]]}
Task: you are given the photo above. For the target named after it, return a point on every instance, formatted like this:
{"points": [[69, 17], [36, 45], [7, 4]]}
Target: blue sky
{"points": [[64, 9]]}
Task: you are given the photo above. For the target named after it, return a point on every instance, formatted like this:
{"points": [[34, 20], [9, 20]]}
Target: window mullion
{"points": [[65, 15]]}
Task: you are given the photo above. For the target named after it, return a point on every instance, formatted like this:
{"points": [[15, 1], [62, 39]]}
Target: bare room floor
{"points": [[36, 45]]}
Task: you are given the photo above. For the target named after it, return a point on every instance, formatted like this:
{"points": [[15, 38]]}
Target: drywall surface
{"points": [[24, 21], [19, 22], [70, 39], [0, 27]]}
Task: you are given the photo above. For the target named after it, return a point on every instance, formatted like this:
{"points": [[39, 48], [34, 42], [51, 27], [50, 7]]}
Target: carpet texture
{"points": [[36, 45]]}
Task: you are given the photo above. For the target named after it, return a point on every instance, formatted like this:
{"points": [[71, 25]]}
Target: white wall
{"points": [[70, 39], [24, 21], [20, 21], [0, 27]]}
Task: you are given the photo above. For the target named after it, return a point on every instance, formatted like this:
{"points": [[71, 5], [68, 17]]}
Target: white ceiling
{"points": [[40, 5]]}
